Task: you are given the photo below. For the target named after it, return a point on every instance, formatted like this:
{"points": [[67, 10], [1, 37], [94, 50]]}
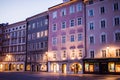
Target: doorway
{"points": [[103, 68], [64, 68], [54, 68]]}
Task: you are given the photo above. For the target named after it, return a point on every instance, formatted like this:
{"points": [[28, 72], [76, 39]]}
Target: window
{"points": [[72, 10], [72, 38], [79, 7], [63, 12], [117, 37], [54, 40], [117, 67], [111, 67], [73, 54], [117, 52], [91, 25], [33, 25], [63, 25], [33, 36], [90, 1], [63, 39], [102, 24], [103, 53], [79, 37], [116, 7], [38, 35], [72, 23], [91, 12], [79, 21], [55, 14], [116, 21], [102, 10], [91, 54], [46, 32], [42, 45], [54, 55], [42, 33], [103, 38], [46, 21], [91, 40], [64, 54], [54, 28], [80, 53]]}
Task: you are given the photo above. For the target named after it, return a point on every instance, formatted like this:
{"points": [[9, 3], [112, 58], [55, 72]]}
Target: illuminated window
{"points": [[46, 33], [54, 55], [42, 33], [91, 66], [64, 54], [80, 53], [38, 35], [117, 52], [87, 67], [104, 53], [111, 67], [117, 66]]}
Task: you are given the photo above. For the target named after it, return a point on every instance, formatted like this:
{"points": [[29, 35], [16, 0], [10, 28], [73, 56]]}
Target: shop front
{"points": [[102, 66]]}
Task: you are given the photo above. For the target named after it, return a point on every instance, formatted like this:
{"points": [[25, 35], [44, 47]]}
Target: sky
{"points": [[12, 11]]}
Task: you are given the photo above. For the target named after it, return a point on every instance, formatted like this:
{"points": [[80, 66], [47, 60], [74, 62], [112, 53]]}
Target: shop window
{"points": [[28, 67], [111, 67], [87, 67], [91, 67], [117, 66]]}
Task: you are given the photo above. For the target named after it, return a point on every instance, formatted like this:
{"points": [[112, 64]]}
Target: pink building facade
{"points": [[66, 37], [103, 36]]}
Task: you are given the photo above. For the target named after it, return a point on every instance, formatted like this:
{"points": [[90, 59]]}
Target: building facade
{"points": [[14, 47], [66, 37], [37, 42], [103, 36]]}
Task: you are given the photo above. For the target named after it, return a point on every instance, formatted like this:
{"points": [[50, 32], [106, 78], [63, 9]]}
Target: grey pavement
{"points": [[54, 76]]}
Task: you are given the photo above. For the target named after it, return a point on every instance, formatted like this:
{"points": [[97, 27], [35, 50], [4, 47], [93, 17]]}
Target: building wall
{"points": [[14, 46], [37, 39], [108, 15], [60, 51]]}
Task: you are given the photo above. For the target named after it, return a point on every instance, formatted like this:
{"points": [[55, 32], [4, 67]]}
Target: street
{"points": [[54, 76]]}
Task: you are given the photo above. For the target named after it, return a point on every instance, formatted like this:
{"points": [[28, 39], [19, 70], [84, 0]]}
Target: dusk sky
{"points": [[12, 11]]}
